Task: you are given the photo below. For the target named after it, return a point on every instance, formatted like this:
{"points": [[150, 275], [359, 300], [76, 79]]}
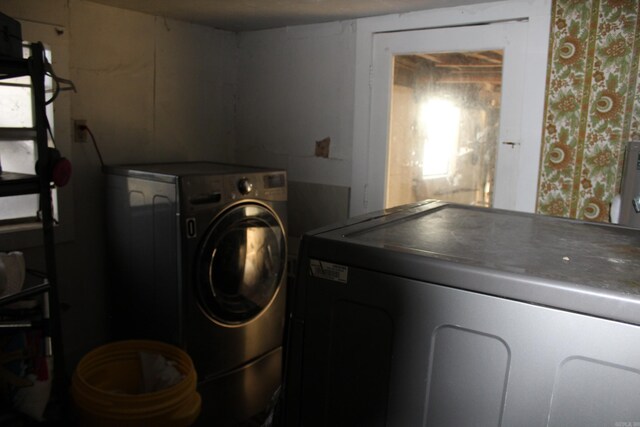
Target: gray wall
{"points": [[295, 87]]}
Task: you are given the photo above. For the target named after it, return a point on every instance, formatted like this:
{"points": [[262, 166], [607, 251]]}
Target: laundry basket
{"points": [[105, 388]]}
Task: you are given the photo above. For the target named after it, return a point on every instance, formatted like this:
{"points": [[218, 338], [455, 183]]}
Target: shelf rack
{"points": [[13, 184]]}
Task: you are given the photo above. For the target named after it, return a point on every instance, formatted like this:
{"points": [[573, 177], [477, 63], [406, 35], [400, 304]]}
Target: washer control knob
{"points": [[245, 186]]}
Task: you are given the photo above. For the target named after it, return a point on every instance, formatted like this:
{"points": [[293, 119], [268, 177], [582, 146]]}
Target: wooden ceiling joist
{"points": [[453, 67]]}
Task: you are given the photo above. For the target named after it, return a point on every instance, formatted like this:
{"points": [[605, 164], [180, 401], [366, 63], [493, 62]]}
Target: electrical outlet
{"points": [[80, 131]]}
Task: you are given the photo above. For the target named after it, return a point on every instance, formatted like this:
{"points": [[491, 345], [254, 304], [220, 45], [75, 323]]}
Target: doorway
{"points": [[444, 122], [446, 113]]}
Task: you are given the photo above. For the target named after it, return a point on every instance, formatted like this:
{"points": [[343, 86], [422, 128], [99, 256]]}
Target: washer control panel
{"points": [[270, 186]]}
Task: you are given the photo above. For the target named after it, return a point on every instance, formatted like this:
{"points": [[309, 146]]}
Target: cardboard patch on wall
{"points": [[322, 148]]}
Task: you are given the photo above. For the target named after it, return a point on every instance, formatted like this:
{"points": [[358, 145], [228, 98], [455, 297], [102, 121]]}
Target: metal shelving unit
{"points": [[13, 184]]}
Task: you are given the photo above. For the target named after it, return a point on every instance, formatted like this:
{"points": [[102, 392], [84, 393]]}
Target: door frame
{"points": [[510, 37], [538, 15]]}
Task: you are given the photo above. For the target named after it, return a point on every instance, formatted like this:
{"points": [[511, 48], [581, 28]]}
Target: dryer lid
{"points": [[241, 263]]}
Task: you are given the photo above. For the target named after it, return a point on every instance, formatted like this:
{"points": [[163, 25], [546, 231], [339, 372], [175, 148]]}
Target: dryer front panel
{"points": [[240, 263]]}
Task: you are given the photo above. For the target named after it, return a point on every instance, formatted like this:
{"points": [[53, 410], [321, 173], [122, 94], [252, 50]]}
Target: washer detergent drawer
{"points": [[382, 350]]}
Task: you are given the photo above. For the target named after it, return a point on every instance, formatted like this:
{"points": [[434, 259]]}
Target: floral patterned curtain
{"points": [[592, 105]]}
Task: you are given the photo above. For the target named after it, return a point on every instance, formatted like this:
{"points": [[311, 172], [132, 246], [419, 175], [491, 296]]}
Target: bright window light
{"points": [[440, 119], [16, 110]]}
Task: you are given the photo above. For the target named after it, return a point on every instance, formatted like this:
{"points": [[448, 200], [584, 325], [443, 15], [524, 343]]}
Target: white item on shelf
{"points": [[12, 272], [615, 209]]}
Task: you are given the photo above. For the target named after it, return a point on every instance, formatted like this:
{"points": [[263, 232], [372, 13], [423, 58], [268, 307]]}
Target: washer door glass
{"points": [[240, 264]]}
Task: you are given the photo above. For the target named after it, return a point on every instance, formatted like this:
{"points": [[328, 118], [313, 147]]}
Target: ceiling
{"points": [[249, 15]]}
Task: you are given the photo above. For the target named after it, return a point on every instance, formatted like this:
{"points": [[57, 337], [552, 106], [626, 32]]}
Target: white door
{"points": [[509, 39]]}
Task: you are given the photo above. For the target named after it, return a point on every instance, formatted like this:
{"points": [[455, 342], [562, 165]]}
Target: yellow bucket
{"points": [[106, 381]]}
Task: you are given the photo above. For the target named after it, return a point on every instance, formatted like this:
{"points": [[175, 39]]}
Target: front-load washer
{"points": [[198, 259]]}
